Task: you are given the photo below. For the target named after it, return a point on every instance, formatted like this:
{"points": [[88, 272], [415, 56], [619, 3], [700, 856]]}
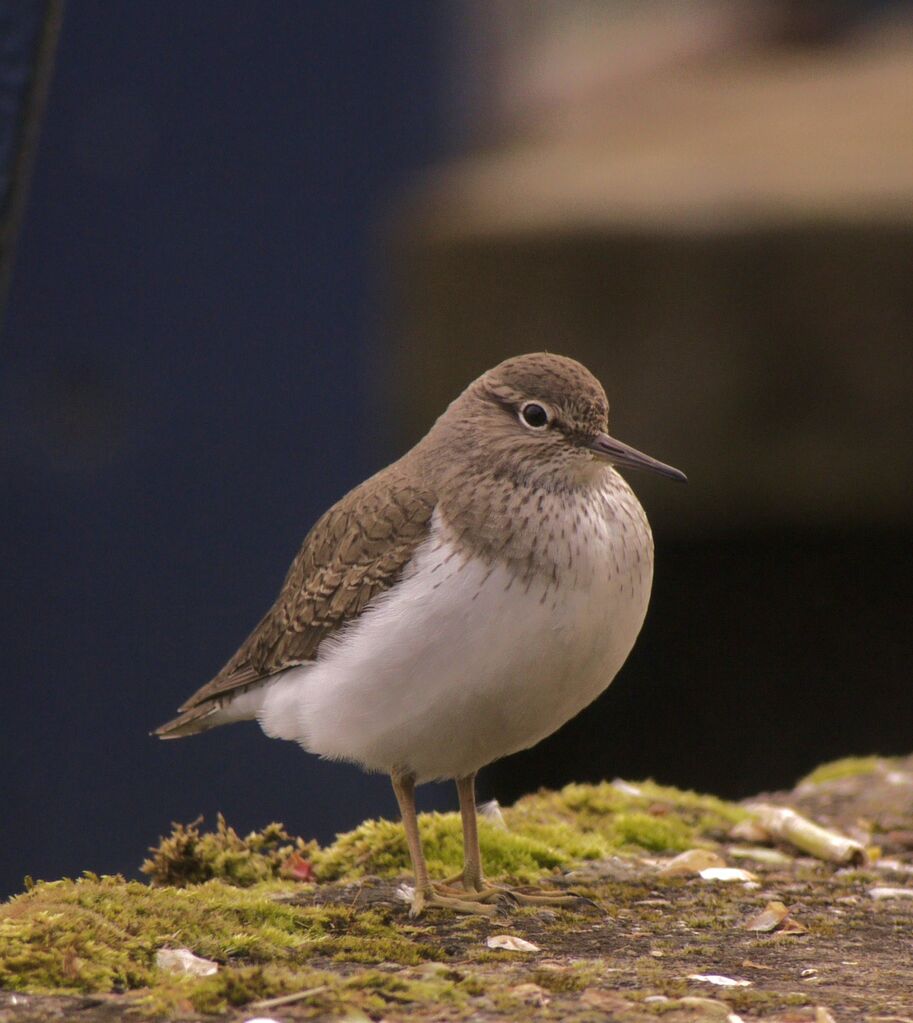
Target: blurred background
{"points": [[253, 250]]}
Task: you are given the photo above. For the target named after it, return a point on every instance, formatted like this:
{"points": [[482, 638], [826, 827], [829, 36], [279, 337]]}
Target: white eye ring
{"points": [[535, 416]]}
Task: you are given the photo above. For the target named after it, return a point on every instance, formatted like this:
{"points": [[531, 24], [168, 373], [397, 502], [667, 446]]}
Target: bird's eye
{"points": [[534, 416]]}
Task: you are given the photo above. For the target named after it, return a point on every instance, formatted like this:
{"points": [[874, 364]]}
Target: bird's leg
{"points": [[473, 877], [475, 887], [425, 894]]}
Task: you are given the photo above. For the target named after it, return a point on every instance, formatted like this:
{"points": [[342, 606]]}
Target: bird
{"points": [[458, 606]]}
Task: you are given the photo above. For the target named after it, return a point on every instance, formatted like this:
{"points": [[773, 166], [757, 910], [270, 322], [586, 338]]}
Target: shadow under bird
{"points": [[458, 606]]}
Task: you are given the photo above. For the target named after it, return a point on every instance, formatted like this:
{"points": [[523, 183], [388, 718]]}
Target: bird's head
{"points": [[541, 417]]}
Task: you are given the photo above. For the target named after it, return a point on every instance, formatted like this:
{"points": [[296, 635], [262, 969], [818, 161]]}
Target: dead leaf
{"points": [[769, 919], [791, 926], [511, 943], [693, 861], [718, 979], [297, 868]]}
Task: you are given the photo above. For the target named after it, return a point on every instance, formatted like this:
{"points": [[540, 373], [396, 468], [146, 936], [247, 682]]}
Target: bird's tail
{"points": [[198, 719]]}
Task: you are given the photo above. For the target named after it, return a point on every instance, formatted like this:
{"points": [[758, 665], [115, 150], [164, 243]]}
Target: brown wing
{"points": [[355, 551]]}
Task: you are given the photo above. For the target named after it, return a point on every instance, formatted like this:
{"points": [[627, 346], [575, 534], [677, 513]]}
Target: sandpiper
{"points": [[458, 606]]}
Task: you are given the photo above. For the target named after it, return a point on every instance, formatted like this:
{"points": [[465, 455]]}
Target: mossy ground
{"points": [[846, 767], [544, 831], [348, 940]]}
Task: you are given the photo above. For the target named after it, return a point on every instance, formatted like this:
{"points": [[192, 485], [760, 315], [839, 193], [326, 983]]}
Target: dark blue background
{"points": [[189, 366]]}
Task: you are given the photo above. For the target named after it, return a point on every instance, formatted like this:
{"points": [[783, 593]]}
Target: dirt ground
{"points": [[654, 947]]}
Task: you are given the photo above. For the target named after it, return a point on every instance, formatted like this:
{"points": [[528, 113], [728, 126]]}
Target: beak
{"points": [[621, 454]]}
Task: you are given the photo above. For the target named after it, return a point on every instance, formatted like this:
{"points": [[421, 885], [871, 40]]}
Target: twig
{"points": [[271, 1003], [788, 826]]}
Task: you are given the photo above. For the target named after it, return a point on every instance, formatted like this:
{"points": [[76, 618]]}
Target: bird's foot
{"points": [[544, 897], [504, 896], [484, 894], [457, 901]]}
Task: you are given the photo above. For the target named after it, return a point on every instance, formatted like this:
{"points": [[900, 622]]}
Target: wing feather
{"points": [[354, 552]]}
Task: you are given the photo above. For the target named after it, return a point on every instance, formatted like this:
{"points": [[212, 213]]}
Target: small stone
{"points": [[182, 960], [879, 893], [893, 866], [547, 916], [726, 874], [693, 861]]}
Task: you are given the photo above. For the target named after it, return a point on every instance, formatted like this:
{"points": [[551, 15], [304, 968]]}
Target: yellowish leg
{"points": [[425, 894], [473, 876], [475, 887]]}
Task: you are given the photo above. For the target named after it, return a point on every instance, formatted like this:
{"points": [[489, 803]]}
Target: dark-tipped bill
{"points": [[622, 454]]}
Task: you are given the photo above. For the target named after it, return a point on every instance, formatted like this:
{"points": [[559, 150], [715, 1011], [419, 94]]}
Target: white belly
{"points": [[457, 666]]}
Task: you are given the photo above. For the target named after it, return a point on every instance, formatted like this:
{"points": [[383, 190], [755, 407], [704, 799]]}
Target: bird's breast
{"points": [[468, 658]]}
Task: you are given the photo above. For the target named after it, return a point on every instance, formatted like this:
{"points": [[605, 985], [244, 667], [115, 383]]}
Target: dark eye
{"points": [[534, 416]]}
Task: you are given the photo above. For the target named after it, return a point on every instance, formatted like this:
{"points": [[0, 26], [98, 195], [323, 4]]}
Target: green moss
{"points": [[216, 894], [755, 1001], [594, 821], [189, 856], [393, 988], [544, 831], [379, 847], [583, 974], [370, 990], [232, 987], [101, 934], [847, 767]]}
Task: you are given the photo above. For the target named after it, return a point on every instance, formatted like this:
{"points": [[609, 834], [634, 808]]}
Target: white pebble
{"points": [[720, 981]]}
